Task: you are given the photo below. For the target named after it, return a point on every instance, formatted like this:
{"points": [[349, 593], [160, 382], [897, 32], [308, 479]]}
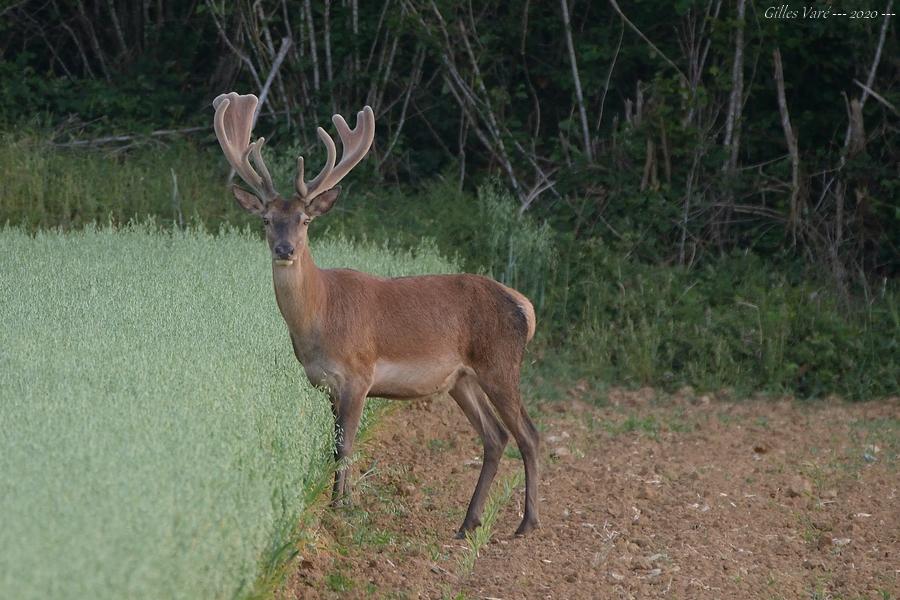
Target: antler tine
{"points": [[298, 182], [328, 169], [355, 144], [256, 154], [233, 123]]}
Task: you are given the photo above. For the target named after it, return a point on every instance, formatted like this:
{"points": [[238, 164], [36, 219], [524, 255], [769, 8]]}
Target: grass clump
{"points": [[478, 538], [159, 438]]}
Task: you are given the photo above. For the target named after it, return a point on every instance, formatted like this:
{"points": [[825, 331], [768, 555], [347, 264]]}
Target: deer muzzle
{"points": [[283, 254]]}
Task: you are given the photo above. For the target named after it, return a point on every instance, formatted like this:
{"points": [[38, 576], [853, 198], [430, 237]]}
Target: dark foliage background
{"points": [[692, 192]]}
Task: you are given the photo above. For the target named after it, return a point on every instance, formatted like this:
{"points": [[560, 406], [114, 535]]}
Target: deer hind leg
{"points": [[347, 405], [474, 403], [503, 390]]}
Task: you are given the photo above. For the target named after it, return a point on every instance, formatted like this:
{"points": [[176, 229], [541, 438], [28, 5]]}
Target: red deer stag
{"points": [[358, 335]]}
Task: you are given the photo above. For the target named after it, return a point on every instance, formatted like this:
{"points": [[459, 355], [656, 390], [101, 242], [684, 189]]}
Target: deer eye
{"points": [[306, 220]]}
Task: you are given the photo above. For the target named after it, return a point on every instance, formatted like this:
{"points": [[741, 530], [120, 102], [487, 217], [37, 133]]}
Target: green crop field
{"points": [[159, 439]]}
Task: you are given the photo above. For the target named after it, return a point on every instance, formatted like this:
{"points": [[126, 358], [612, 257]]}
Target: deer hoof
{"points": [[526, 527], [466, 528]]}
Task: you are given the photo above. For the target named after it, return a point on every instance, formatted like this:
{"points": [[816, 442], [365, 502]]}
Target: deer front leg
{"points": [[347, 406]]}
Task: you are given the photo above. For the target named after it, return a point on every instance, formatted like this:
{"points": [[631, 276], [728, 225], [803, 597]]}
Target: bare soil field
{"points": [[645, 496]]}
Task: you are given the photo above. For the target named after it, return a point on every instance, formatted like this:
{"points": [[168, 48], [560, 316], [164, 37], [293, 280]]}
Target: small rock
{"points": [[641, 563], [829, 494], [656, 559], [840, 541], [654, 573], [646, 493], [408, 489], [641, 541], [825, 542], [797, 487], [572, 577], [560, 452], [615, 576], [822, 525]]}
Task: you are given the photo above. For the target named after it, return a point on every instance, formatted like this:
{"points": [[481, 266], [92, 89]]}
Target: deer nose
{"points": [[284, 250]]}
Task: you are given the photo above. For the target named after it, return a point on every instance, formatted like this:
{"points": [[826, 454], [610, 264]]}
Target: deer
{"points": [[359, 336]]}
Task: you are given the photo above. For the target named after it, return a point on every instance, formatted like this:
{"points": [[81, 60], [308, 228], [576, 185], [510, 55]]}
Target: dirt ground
{"points": [[645, 496]]}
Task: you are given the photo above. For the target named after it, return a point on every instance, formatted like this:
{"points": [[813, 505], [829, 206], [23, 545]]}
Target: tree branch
{"points": [[276, 65], [579, 97], [646, 39], [312, 44], [735, 100], [241, 56], [791, 139]]}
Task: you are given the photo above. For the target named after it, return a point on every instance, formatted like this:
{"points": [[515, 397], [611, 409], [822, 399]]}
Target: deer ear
{"points": [[322, 203], [248, 201]]}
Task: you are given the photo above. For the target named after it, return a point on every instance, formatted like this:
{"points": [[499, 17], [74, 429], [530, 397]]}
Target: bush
{"points": [[733, 324], [47, 187]]}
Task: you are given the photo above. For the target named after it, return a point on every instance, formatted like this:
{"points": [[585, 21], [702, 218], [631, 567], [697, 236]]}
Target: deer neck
{"points": [[300, 293]]}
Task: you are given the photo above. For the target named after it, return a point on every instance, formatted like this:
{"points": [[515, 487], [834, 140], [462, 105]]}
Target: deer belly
{"points": [[414, 379]]}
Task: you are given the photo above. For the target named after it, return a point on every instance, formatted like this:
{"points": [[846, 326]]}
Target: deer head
{"points": [[286, 221]]}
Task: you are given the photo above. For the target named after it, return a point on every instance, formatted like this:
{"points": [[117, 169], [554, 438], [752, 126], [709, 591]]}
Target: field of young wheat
{"points": [[159, 439]]}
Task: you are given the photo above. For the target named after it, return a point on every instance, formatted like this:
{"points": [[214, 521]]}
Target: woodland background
{"points": [[690, 192]]}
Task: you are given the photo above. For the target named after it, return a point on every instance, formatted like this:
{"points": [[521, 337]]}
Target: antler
{"points": [[233, 123], [355, 142]]}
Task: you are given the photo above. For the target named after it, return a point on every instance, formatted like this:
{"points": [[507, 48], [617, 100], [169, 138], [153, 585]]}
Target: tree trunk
{"points": [[579, 97], [791, 139]]}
